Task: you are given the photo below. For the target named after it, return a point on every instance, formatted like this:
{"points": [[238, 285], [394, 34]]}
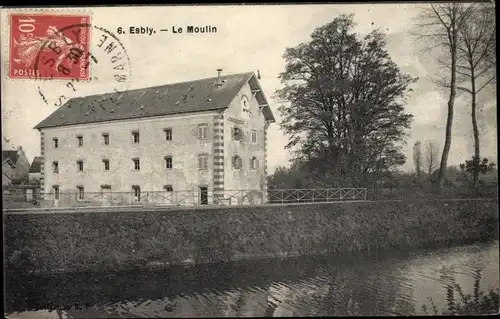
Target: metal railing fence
{"points": [[178, 198]]}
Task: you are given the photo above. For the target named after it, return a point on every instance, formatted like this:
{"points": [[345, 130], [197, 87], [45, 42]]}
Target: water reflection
{"points": [[397, 284]]}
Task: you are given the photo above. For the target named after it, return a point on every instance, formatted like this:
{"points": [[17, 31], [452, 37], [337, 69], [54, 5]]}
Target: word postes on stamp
{"points": [[42, 46]]}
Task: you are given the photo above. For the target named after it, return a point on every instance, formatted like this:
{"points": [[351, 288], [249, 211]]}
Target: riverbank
{"points": [[48, 243]]}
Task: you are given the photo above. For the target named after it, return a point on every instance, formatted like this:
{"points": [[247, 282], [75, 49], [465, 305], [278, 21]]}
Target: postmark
{"points": [[107, 62], [41, 45]]}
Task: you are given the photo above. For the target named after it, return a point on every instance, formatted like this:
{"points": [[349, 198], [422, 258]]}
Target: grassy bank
{"points": [[110, 241]]}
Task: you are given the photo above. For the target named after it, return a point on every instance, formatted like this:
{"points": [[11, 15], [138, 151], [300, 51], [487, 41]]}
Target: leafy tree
{"points": [[475, 166], [345, 116]]}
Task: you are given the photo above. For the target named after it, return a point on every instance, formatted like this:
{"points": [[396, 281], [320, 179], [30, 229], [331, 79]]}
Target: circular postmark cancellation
{"points": [[64, 52]]}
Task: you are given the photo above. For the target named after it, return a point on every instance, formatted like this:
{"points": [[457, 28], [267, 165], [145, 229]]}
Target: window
{"points": [[135, 137], [106, 164], [136, 190], [203, 161], [56, 191], [137, 164], [55, 167], [254, 136], [56, 142], [237, 134], [168, 134], [105, 138], [80, 140], [168, 162], [168, 188], [80, 192], [237, 162], [203, 132], [79, 165], [245, 107], [254, 163]]}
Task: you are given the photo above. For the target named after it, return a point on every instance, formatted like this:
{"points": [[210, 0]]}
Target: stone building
{"points": [[15, 166], [186, 142]]}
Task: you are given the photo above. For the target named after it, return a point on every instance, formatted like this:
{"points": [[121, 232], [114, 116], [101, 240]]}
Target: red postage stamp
{"points": [[50, 46]]}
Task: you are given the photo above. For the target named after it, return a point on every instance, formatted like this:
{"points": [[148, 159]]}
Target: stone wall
{"points": [[114, 241]]}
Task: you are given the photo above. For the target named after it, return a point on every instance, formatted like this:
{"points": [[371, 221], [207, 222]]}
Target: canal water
{"points": [[397, 283]]}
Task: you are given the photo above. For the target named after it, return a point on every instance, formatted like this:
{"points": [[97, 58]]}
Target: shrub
{"points": [[477, 303]]}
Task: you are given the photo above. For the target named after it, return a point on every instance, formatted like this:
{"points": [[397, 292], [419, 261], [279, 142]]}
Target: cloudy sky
{"points": [[248, 38]]}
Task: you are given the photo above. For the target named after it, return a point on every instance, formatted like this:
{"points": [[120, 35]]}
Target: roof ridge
{"points": [[161, 85]]}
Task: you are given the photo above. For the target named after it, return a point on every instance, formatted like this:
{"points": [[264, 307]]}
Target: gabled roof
{"points": [[36, 166], [186, 97], [10, 156]]}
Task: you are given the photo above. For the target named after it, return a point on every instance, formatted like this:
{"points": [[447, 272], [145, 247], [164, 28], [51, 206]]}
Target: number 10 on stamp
{"points": [[50, 46]]}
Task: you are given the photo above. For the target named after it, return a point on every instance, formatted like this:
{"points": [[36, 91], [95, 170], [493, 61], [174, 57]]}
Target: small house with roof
{"points": [[15, 166], [35, 171], [202, 137]]}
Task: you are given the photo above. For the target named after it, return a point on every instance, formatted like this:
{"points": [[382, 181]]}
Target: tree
{"points": [[440, 26], [477, 52], [417, 157], [346, 102], [474, 167], [431, 157]]}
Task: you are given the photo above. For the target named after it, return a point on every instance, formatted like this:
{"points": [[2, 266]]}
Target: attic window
{"points": [[245, 107], [135, 137]]}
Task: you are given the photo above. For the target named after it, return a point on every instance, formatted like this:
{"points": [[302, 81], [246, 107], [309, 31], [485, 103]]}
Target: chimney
{"points": [[219, 82], [258, 74], [20, 149]]}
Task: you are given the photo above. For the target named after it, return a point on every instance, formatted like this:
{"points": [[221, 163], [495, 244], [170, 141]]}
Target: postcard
{"points": [[249, 160]]}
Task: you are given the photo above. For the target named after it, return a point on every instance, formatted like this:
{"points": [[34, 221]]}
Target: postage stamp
{"points": [[49, 46]]}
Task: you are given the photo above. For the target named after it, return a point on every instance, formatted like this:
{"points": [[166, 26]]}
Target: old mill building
{"points": [[202, 137]]}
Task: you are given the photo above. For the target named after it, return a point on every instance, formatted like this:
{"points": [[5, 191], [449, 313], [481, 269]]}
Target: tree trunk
{"points": [[451, 104], [475, 129]]}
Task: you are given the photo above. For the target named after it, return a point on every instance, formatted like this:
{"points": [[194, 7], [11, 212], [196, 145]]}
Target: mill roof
{"points": [[185, 97]]}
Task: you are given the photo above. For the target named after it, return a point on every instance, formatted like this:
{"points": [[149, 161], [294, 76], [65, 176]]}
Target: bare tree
{"points": [[440, 26], [477, 56], [431, 157], [417, 157]]}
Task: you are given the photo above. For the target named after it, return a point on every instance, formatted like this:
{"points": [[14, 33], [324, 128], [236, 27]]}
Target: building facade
{"points": [[186, 143], [15, 167]]}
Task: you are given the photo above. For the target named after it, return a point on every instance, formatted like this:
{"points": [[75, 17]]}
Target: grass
{"points": [[112, 241], [458, 303]]}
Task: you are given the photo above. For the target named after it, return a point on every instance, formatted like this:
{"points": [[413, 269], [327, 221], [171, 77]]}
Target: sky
{"points": [[248, 38]]}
